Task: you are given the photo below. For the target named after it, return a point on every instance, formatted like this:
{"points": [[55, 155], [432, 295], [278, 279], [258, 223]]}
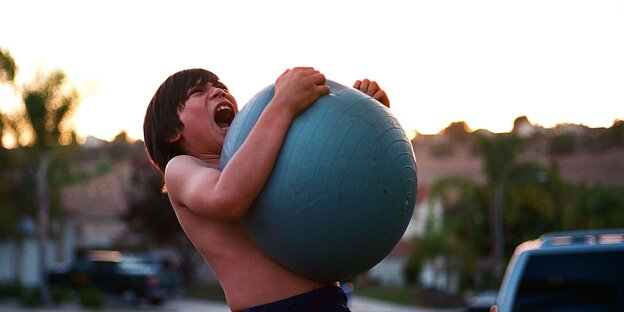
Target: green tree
{"points": [[8, 216], [498, 157], [519, 123], [458, 132], [613, 137], [14, 183], [532, 202], [616, 133], [460, 234], [563, 143], [48, 102], [595, 207], [8, 69]]}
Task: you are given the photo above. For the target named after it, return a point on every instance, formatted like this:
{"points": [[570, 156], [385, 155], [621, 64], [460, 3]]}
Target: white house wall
{"points": [[8, 256], [20, 260], [389, 272]]}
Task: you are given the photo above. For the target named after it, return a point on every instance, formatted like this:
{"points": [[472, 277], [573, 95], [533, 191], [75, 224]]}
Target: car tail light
{"points": [[152, 281]]}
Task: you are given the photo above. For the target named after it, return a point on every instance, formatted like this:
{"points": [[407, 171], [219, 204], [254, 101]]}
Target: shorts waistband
{"points": [[319, 296]]}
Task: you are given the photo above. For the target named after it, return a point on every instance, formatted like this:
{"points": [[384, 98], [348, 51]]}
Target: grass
{"points": [[402, 295], [210, 292], [411, 295]]}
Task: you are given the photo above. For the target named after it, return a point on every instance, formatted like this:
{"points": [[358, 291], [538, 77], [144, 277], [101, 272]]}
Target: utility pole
{"points": [[498, 229], [43, 205]]}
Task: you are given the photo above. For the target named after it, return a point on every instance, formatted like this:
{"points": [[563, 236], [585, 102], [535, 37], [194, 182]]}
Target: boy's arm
{"points": [[371, 88], [229, 193]]}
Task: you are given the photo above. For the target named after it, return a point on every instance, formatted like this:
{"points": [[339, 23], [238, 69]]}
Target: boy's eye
{"points": [[195, 90], [221, 85]]}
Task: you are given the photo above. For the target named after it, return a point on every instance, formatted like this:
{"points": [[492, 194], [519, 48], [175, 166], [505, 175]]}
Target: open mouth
{"points": [[223, 115]]}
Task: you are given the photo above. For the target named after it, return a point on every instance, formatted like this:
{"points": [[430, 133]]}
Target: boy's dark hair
{"points": [[162, 120]]}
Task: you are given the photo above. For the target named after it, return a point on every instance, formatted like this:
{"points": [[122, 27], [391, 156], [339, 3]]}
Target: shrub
{"points": [[30, 297], [10, 290], [61, 294], [91, 298]]}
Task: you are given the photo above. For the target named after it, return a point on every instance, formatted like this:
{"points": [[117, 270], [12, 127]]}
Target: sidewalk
{"points": [[365, 304]]}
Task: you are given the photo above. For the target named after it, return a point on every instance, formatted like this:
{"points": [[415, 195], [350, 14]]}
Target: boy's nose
{"points": [[218, 92]]}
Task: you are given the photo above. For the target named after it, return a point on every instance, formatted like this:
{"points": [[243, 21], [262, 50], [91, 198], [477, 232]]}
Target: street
{"points": [[358, 304]]}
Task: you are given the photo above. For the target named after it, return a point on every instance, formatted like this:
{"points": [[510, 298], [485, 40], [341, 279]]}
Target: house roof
{"points": [[98, 197], [403, 248], [460, 163], [606, 167]]}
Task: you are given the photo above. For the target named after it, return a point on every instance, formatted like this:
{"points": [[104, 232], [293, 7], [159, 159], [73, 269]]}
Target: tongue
{"points": [[223, 125]]}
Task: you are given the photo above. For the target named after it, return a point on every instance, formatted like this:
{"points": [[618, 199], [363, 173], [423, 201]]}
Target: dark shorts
{"points": [[326, 299]]}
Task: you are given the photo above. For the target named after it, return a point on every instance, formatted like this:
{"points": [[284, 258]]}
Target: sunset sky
{"points": [[483, 62]]}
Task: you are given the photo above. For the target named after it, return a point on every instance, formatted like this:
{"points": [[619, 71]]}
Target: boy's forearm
{"points": [[246, 173]]}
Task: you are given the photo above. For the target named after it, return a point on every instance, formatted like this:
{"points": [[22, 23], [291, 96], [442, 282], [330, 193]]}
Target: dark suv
{"points": [[566, 271], [132, 278]]}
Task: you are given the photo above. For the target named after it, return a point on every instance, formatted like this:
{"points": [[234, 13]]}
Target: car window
{"points": [[591, 281], [84, 265], [135, 266], [105, 267]]}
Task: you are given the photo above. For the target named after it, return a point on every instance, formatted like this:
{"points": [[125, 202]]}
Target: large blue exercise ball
{"points": [[342, 191]]}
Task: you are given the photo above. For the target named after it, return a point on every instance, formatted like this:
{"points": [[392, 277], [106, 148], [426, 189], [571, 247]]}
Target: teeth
{"points": [[222, 107]]}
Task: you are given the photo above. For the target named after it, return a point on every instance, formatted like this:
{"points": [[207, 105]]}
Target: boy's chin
{"points": [[222, 129]]}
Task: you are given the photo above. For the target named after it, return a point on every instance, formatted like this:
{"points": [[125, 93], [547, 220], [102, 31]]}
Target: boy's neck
{"points": [[210, 159]]}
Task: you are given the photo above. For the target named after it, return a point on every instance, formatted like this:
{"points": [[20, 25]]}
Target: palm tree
{"points": [[498, 153], [533, 203], [8, 216], [461, 235], [7, 76], [49, 100]]}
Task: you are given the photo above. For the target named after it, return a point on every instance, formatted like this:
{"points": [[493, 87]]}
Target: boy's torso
{"points": [[248, 276]]}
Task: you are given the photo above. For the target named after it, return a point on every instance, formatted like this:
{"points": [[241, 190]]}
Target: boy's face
{"points": [[207, 115]]}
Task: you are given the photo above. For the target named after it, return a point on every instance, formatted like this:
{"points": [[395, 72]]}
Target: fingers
{"points": [[367, 86], [321, 83], [372, 89], [319, 78], [283, 74], [323, 89], [379, 95], [382, 97], [362, 85], [305, 73], [299, 87]]}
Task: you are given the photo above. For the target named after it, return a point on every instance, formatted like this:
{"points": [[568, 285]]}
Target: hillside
{"points": [[604, 167]]}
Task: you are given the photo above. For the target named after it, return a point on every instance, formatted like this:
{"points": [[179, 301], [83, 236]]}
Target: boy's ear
{"points": [[174, 138]]}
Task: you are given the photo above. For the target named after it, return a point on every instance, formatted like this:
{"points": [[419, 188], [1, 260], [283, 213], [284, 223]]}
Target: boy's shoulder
{"points": [[181, 162], [182, 167], [184, 175]]}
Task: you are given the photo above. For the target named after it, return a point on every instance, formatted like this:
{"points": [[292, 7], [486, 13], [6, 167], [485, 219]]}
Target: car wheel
{"points": [[130, 296]]}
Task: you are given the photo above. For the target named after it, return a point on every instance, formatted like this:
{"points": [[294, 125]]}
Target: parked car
{"points": [[130, 277], [482, 302], [566, 271]]}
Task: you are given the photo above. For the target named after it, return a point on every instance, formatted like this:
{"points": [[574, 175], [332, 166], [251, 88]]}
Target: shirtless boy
{"points": [[184, 130]]}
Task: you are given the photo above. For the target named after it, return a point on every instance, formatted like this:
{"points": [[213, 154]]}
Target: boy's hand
{"points": [[296, 89], [371, 88]]}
